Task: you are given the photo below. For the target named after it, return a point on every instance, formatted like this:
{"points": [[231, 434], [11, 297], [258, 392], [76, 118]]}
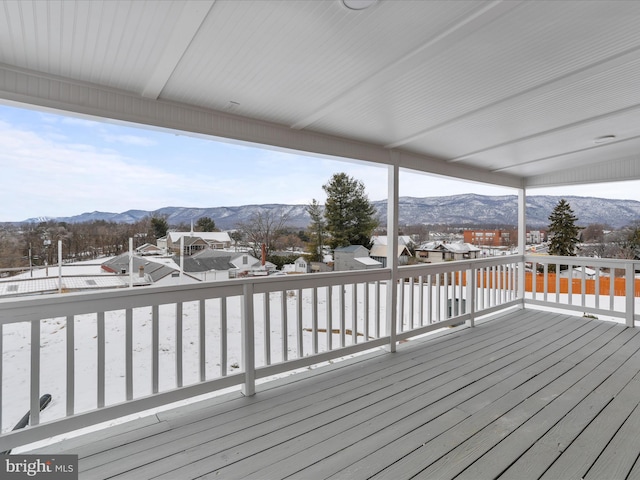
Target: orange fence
{"points": [[576, 285], [502, 280]]}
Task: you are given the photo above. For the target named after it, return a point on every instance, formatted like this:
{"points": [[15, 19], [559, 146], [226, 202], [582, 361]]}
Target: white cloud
{"points": [[138, 141], [54, 166]]}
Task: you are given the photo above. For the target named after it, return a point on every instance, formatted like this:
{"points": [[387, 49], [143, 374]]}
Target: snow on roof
{"points": [[367, 261], [52, 285], [457, 247], [382, 240], [349, 248], [461, 247], [208, 236], [89, 267], [155, 269]]}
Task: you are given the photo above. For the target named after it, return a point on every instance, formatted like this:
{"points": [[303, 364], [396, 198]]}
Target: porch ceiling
{"points": [[512, 93]]}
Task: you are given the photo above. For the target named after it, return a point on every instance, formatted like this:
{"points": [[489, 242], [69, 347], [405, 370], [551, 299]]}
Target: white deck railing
{"points": [[104, 355], [593, 286]]}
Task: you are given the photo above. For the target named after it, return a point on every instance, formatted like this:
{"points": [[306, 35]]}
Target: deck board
{"points": [[527, 395]]}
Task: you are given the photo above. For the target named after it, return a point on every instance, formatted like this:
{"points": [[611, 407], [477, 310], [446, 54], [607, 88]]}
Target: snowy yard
{"points": [[17, 338]]}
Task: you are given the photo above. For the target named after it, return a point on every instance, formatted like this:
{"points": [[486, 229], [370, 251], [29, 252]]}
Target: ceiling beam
{"points": [[520, 98], [85, 99], [485, 14], [193, 15]]}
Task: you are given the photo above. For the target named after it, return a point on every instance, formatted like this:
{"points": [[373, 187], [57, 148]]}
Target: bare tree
{"points": [[264, 226]]}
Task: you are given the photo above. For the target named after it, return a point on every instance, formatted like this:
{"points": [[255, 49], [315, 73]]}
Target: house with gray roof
{"points": [[209, 264], [145, 270], [436, 252], [353, 257]]}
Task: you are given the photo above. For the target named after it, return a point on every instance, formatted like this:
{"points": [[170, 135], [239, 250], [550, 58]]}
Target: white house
{"points": [[379, 253], [217, 240], [301, 265], [435, 252]]}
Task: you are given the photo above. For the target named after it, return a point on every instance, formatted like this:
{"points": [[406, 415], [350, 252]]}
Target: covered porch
{"points": [[515, 94]]}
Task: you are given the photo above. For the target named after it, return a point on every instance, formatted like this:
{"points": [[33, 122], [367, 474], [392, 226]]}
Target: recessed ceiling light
{"points": [[358, 4], [604, 139]]}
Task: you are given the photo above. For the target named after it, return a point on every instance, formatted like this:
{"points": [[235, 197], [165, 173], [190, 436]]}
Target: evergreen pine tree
{"points": [[316, 230], [205, 224], [159, 227], [349, 214], [563, 232]]}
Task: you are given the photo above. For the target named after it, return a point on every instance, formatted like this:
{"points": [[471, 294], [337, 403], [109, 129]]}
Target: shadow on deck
{"points": [[529, 394]]}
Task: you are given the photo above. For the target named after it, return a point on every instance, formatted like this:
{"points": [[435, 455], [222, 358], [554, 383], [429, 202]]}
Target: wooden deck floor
{"points": [[528, 395]]}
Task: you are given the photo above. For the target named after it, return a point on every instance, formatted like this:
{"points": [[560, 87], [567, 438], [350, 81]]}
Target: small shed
{"points": [[302, 265], [353, 257]]}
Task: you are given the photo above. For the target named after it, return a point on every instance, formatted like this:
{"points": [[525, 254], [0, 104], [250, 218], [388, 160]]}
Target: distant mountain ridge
{"points": [[466, 209]]}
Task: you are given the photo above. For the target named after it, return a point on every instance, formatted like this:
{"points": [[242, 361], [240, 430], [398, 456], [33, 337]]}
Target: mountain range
{"points": [[455, 210]]}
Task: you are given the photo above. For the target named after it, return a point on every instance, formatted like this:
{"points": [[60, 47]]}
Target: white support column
{"points": [[248, 344], [471, 296], [630, 284], [522, 240], [181, 257], [59, 266], [392, 249], [131, 262]]}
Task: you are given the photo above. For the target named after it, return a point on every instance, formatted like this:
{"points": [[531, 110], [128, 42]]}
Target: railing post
{"points": [[471, 296], [630, 287], [248, 344]]}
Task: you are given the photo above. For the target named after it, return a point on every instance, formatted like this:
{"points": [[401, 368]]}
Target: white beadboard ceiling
{"points": [[508, 92]]}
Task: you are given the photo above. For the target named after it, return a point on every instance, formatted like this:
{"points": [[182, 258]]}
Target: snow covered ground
{"points": [[16, 349]]}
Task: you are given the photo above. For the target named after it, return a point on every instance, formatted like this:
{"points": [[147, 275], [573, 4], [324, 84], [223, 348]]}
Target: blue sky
{"points": [[54, 165]]}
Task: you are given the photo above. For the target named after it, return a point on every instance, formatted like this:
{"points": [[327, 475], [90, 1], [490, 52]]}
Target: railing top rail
{"points": [[78, 303], [20, 309], [599, 262], [321, 279], [457, 265]]}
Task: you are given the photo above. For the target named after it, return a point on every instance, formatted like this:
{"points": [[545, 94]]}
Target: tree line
{"points": [[346, 218]]}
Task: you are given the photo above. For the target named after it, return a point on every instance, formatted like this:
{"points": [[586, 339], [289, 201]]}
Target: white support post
{"points": [[59, 266], [71, 362], [181, 257], [630, 287], [248, 349], [130, 262], [392, 249], [471, 296], [35, 373], [522, 240]]}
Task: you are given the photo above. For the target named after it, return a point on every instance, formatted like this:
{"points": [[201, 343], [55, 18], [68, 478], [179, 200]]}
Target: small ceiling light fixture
{"points": [[358, 4], [231, 105], [604, 139]]}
